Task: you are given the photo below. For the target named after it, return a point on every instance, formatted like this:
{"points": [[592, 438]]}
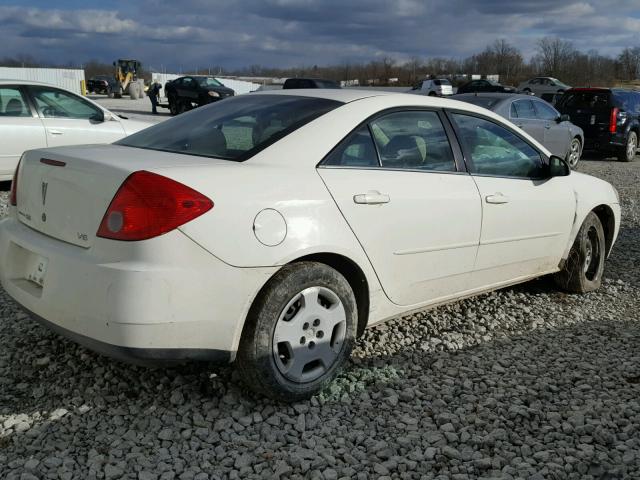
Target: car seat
{"points": [[15, 108]]}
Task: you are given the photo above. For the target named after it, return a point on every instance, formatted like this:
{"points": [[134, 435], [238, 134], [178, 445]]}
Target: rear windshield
{"points": [[592, 100], [443, 81], [233, 129], [484, 102]]}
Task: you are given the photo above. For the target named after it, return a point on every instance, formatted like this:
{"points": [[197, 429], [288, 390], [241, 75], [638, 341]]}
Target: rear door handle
{"points": [[497, 198], [519, 125], [55, 132], [547, 126], [371, 198]]}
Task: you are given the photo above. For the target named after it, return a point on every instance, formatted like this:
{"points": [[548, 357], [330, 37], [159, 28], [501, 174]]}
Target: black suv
{"points": [[291, 83], [194, 90], [609, 117]]}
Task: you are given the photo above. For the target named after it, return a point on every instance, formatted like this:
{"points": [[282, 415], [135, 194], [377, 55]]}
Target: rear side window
{"points": [[412, 140], [235, 129], [628, 101], [12, 103], [523, 109]]}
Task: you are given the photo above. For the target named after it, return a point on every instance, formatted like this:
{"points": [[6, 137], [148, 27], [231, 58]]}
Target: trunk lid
{"points": [[64, 192]]}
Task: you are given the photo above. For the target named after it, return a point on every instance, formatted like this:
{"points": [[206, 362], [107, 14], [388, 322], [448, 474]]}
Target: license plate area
{"points": [[27, 269], [36, 269]]}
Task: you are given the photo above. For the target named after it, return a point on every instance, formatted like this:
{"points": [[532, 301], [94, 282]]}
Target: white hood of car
{"points": [[132, 126]]}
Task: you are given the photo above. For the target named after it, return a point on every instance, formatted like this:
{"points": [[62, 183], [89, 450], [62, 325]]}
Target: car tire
{"points": [[583, 269], [574, 153], [280, 320], [432, 94], [109, 93], [527, 91], [628, 153], [173, 107]]}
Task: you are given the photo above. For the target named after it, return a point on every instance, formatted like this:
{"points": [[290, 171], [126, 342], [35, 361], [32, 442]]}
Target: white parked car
{"points": [[437, 87], [36, 115], [271, 229]]}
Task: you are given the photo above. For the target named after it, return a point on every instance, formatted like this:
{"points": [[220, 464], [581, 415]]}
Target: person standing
{"points": [[154, 92]]}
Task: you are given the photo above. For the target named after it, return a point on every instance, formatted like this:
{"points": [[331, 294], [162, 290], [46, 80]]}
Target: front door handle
{"points": [[371, 198], [547, 126], [55, 132], [519, 125], [497, 198]]}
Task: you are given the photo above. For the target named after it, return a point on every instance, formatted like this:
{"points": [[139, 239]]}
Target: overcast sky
{"points": [[235, 33]]}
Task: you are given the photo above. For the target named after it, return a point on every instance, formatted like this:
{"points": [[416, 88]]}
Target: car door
{"points": [[526, 216], [189, 89], [20, 128], [523, 114], [413, 209], [69, 119], [557, 137]]}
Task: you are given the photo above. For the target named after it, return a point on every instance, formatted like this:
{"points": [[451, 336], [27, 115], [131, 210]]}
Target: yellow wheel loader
{"points": [[126, 75]]}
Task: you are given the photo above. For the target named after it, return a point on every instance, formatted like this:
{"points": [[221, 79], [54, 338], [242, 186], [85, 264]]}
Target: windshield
{"points": [[493, 82], [556, 81], [235, 129], [208, 82]]}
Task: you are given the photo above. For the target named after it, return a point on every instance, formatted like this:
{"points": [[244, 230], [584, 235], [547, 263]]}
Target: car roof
{"points": [[496, 95], [17, 81], [343, 95]]}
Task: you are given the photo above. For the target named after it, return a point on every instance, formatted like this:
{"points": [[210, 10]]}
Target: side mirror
{"points": [[106, 117], [558, 167], [564, 118]]}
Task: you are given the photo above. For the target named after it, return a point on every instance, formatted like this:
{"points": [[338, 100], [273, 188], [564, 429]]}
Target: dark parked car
{"points": [[290, 83], [101, 84], [192, 91], [610, 118], [485, 86], [537, 118]]}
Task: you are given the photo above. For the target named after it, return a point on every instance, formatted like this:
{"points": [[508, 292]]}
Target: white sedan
{"points": [[271, 229], [36, 115]]}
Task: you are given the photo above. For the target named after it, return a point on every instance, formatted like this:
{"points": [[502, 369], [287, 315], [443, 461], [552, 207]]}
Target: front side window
{"points": [[12, 103], [208, 82], [523, 109], [493, 150], [545, 111], [54, 103], [235, 129]]}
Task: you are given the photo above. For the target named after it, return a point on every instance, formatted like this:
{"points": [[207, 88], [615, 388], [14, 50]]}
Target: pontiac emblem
{"points": [[44, 192]]}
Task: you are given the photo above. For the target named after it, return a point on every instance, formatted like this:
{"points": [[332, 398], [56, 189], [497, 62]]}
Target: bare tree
{"points": [[554, 55], [629, 63]]}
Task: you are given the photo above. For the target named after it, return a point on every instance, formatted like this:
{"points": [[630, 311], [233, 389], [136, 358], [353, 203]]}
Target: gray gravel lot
{"points": [[524, 383]]}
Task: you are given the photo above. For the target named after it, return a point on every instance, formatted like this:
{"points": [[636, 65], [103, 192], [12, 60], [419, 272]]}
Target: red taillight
{"points": [[148, 205], [13, 195], [613, 120]]}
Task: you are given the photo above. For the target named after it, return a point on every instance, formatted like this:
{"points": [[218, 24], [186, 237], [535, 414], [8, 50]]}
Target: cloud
{"points": [[304, 32]]}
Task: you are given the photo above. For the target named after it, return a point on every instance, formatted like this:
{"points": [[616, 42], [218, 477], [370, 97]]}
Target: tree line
{"points": [[553, 57]]}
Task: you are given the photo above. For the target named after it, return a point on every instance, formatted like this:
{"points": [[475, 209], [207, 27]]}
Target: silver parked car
{"points": [[542, 85], [537, 118]]}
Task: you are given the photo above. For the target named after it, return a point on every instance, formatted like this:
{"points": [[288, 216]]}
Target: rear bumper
{"points": [[164, 299], [604, 142]]}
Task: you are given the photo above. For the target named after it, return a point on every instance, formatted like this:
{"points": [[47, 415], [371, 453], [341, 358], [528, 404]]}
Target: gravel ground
{"points": [[521, 383]]}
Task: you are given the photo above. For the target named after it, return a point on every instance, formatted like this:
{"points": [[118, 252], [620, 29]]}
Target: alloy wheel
{"points": [[632, 145], [592, 254], [574, 152]]}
